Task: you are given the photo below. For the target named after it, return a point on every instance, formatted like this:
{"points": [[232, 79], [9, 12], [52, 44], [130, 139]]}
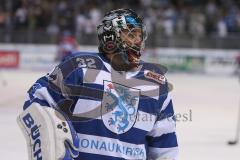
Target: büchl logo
{"points": [[35, 136]]}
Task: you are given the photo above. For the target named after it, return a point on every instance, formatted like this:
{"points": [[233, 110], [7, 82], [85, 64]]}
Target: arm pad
{"points": [[49, 135]]}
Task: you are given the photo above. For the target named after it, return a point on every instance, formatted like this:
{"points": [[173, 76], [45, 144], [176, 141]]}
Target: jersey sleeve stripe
{"points": [[35, 100], [164, 141], [166, 102], [168, 153], [168, 112], [162, 127]]}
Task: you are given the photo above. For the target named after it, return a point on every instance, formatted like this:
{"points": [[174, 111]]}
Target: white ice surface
{"points": [[213, 100]]}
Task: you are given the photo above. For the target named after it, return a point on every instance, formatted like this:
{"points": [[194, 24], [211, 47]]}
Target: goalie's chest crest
{"points": [[119, 107]]}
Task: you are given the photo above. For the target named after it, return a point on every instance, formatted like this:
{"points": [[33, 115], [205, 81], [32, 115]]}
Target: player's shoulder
{"points": [[73, 55], [154, 72], [80, 60], [158, 68]]}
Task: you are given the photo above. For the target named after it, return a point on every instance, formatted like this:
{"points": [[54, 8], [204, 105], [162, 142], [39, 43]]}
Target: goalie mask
{"points": [[122, 31]]}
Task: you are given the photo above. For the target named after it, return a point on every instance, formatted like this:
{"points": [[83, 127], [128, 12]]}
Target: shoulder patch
{"points": [[155, 76]]}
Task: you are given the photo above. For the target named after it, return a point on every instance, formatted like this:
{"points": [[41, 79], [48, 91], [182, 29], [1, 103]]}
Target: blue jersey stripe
{"points": [[164, 141], [36, 100], [168, 112]]}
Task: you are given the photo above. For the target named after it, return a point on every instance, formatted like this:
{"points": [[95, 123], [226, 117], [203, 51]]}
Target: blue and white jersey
{"points": [[117, 115]]}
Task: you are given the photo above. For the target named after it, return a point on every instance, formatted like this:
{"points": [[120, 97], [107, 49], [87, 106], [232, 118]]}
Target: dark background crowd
{"points": [[169, 22]]}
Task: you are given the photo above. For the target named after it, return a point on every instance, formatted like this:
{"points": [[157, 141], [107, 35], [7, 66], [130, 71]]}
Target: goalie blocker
{"points": [[49, 135]]}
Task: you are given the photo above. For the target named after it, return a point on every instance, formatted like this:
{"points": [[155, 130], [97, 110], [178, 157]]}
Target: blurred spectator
{"points": [[67, 45], [53, 29], [80, 24], [197, 20], [2, 18], [182, 20], [169, 20], [238, 19], [21, 16], [95, 16], [222, 28], [52, 32], [211, 8]]}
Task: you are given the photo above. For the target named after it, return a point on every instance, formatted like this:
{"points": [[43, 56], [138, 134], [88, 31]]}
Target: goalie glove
{"points": [[49, 135]]}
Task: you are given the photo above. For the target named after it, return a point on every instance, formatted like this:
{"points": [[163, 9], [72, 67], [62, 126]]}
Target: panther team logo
{"points": [[119, 107]]}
